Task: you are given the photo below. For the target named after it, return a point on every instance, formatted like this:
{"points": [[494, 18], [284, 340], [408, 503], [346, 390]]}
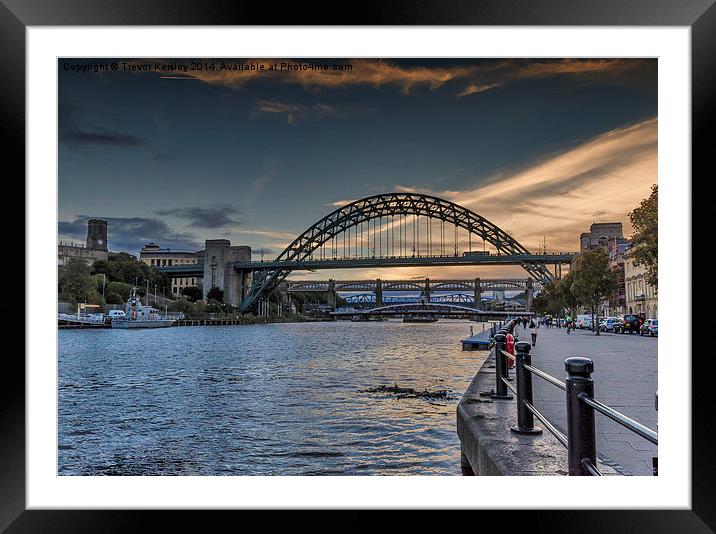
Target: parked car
{"points": [[583, 321], [650, 328], [631, 324], [608, 323], [117, 313]]}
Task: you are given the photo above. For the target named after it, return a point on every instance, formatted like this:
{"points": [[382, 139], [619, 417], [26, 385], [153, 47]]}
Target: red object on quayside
{"points": [[510, 349]]}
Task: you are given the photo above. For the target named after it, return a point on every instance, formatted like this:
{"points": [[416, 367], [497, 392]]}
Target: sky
{"points": [[540, 147]]}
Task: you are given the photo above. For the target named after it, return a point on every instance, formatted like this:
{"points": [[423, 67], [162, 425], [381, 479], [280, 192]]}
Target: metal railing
{"points": [[580, 440]]}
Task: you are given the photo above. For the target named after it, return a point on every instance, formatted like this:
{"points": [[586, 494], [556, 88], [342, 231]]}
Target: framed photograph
{"points": [[307, 266]]}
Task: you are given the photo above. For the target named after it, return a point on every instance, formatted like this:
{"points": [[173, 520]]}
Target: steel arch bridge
{"points": [[390, 205]]}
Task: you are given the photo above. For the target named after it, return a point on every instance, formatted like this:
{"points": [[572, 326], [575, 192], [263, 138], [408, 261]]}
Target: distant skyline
{"points": [[542, 148]]}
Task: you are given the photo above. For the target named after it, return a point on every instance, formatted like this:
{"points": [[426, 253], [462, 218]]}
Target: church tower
{"points": [[97, 234]]}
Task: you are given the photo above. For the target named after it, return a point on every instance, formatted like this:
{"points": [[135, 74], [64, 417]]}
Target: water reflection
{"points": [[282, 399]]}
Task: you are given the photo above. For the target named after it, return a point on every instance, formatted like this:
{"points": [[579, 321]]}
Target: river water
{"points": [[279, 399]]}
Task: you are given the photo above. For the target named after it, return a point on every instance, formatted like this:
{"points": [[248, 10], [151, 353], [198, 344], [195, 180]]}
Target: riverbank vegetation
{"points": [[107, 282]]}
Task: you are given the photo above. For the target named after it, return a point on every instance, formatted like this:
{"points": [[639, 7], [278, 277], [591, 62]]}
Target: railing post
{"points": [[525, 419], [500, 366], [581, 435]]}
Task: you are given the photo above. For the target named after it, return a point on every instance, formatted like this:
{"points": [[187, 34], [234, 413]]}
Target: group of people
{"points": [[567, 322], [533, 325]]}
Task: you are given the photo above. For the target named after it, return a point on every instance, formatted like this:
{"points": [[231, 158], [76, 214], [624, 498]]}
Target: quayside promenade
{"points": [[625, 379]]}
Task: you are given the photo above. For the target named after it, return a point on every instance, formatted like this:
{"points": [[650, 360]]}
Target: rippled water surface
{"points": [[282, 399]]}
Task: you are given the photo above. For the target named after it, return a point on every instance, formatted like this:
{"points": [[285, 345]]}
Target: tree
{"points": [[114, 298], [215, 294], [74, 282], [193, 293], [593, 280], [645, 240]]}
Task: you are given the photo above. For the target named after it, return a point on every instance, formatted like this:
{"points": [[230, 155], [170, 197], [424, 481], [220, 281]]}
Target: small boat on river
{"points": [[140, 316]]}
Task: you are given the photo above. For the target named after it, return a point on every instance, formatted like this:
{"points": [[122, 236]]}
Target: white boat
{"points": [[140, 316]]}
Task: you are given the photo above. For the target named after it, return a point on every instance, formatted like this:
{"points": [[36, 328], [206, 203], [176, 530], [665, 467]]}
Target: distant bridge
{"points": [[429, 310], [426, 287], [482, 284], [368, 299]]}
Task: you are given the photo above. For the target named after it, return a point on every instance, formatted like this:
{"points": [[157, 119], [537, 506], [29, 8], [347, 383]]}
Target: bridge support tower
{"points": [[426, 291], [219, 259], [378, 293], [332, 295], [478, 294], [529, 294]]}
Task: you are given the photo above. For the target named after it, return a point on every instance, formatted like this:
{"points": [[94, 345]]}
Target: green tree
{"points": [[593, 280], [193, 293], [215, 294], [645, 240], [119, 288], [570, 299], [74, 282], [114, 298]]}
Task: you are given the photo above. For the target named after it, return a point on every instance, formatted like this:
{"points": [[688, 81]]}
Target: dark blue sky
{"points": [[258, 158]]}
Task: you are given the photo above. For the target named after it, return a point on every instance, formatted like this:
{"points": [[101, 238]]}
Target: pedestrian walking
{"points": [[533, 332], [568, 321]]}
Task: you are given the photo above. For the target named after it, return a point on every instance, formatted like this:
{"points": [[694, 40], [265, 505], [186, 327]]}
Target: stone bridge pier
{"points": [[426, 290], [529, 294], [332, 295], [219, 258], [478, 294], [378, 293]]}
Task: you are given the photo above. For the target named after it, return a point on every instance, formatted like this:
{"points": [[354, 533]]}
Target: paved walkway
{"points": [[625, 378]]}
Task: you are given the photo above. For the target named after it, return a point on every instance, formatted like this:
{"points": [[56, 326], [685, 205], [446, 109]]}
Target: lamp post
{"points": [[146, 295]]}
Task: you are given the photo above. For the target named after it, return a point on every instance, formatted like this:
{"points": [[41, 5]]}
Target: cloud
{"points": [[71, 132], [275, 234], [473, 76], [131, 233], [218, 216], [473, 89], [560, 196], [293, 111], [261, 181], [339, 203]]}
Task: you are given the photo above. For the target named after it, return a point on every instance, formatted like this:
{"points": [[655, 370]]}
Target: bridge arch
{"points": [[385, 205]]}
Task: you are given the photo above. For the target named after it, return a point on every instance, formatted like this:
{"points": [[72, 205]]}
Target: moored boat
{"points": [[140, 316]]}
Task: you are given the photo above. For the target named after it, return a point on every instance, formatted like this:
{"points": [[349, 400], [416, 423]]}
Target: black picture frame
{"points": [[700, 15]]}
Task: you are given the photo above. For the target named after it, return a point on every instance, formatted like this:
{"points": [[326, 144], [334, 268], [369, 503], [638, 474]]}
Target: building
{"points": [[152, 254], [641, 297], [599, 235], [95, 247], [616, 304]]}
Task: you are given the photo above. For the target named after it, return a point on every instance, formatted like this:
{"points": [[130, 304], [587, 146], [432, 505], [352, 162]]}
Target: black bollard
{"points": [[500, 366], [581, 435], [525, 418]]}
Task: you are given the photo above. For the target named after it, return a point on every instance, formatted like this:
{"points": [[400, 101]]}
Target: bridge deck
{"points": [[424, 261]]}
